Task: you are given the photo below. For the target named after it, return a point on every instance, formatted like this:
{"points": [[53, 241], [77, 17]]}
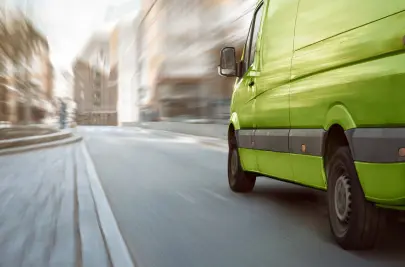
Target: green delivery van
{"points": [[319, 100]]}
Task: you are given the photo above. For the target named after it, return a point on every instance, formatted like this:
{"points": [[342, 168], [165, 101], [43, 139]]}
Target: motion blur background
{"points": [[117, 62], [71, 196]]}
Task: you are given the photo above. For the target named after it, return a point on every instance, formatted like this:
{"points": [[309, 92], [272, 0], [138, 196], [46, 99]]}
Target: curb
{"points": [[116, 246], [34, 140], [68, 139]]}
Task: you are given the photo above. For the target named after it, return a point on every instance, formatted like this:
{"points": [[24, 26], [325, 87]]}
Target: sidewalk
{"points": [[11, 132], [48, 215]]}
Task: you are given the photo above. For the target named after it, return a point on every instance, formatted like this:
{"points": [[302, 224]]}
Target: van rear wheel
{"points": [[239, 180], [355, 222]]}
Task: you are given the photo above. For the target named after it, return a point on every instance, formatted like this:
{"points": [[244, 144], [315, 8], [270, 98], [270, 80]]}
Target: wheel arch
{"points": [[234, 121], [338, 121], [338, 114], [232, 129], [334, 137]]}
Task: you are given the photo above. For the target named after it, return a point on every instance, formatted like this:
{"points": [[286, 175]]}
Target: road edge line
{"points": [[115, 243]]}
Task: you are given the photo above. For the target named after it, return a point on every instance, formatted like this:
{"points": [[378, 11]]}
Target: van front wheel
{"points": [[239, 180], [355, 222]]}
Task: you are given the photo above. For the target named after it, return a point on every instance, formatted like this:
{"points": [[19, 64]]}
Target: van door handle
{"points": [[251, 83]]}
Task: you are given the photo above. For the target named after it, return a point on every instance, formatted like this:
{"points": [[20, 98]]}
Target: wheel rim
{"points": [[342, 203]]}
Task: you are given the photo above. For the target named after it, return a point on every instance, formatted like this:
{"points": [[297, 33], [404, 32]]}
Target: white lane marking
{"points": [[216, 195], [185, 197], [115, 242]]}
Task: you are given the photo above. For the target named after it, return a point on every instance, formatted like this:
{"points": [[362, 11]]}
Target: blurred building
{"points": [[122, 16], [66, 84], [128, 100], [41, 72], [82, 84], [67, 97], [179, 45], [27, 81], [95, 81]]}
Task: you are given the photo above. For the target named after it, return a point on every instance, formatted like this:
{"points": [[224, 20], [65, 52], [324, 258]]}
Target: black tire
{"points": [[239, 180], [358, 226]]}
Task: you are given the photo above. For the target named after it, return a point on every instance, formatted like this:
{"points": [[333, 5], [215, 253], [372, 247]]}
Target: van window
{"points": [[258, 18], [250, 47]]}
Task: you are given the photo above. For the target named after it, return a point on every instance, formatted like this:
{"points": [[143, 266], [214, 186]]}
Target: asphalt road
{"points": [[171, 200]]}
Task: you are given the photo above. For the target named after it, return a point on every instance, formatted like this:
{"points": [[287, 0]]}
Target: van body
{"points": [[318, 101]]}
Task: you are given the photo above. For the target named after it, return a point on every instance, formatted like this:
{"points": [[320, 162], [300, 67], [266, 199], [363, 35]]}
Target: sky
{"points": [[69, 23]]}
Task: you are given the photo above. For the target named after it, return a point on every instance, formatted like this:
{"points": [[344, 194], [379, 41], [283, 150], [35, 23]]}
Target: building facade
{"points": [[128, 100], [150, 41], [67, 87], [95, 87], [26, 88], [123, 17], [179, 46], [42, 77]]}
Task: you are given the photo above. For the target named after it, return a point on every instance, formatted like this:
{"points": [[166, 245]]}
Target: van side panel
{"points": [[272, 107], [276, 49], [372, 92], [277, 44], [355, 69], [308, 170], [248, 159], [276, 164], [351, 62], [365, 43], [318, 19], [383, 183]]}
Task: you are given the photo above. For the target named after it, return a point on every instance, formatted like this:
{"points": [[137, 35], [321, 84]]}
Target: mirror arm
{"points": [[239, 71]]}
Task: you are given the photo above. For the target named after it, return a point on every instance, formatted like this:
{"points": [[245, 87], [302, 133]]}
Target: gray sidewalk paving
{"points": [[42, 222]]}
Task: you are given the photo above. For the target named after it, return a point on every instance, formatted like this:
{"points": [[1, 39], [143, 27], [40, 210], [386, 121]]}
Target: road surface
{"points": [[47, 212], [171, 200]]}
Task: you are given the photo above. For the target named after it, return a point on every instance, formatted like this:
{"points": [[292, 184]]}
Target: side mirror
{"points": [[228, 65]]}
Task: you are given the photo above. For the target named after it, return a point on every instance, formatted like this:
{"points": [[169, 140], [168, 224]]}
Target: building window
{"points": [[97, 98], [96, 78]]}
